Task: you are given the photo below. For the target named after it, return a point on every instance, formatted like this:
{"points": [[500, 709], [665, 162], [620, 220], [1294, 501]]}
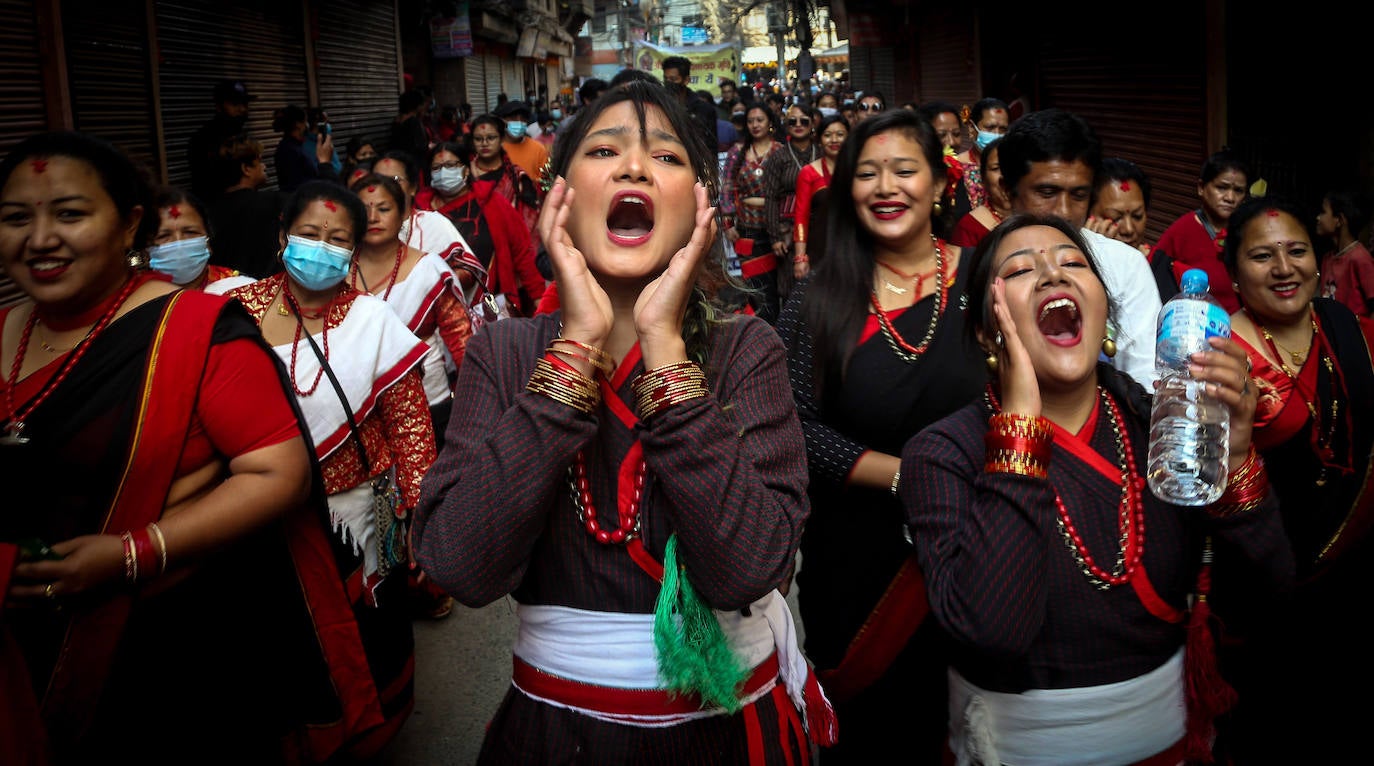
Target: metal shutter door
{"points": [[22, 111], [107, 69], [202, 42], [475, 78], [948, 68], [495, 85], [357, 68], [1148, 109]]}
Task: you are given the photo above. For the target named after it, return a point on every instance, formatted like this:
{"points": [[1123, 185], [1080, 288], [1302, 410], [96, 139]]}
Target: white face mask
{"points": [[533, 130], [448, 180], [827, 111]]}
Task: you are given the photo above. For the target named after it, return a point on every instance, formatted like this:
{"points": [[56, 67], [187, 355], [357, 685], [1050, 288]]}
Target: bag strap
{"points": [[338, 389]]}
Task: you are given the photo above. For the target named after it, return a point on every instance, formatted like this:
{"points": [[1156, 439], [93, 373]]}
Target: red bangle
{"points": [[144, 553], [1040, 449]]}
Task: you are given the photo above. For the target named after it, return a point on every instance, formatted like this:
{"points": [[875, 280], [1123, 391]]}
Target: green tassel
{"points": [[693, 654]]}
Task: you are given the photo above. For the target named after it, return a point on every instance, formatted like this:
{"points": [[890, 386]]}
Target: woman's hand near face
{"points": [[1015, 372], [1104, 226], [587, 313], [663, 302], [1226, 370]]}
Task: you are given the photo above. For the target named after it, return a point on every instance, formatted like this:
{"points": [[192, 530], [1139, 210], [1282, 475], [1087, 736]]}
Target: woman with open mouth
{"points": [[630, 470], [1314, 426], [1063, 584]]}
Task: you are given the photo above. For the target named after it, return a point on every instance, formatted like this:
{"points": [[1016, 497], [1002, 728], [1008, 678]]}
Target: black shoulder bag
{"points": [[386, 497]]}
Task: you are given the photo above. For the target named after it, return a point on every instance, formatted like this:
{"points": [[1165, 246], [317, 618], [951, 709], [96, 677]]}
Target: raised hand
{"points": [[587, 313], [1016, 373], [663, 302]]}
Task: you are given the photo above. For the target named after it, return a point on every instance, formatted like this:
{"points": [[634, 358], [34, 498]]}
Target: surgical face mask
{"points": [[448, 180], [984, 138], [515, 129], [827, 111], [557, 114], [315, 265], [183, 260]]}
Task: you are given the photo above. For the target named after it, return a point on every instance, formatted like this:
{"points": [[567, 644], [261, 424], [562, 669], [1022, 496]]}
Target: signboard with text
{"points": [[710, 63], [451, 37]]}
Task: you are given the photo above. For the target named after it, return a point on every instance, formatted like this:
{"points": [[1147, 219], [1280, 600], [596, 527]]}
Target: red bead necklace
{"points": [[627, 523], [905, 351], [14, 430], [395, 272], [323, 313], [1130, 518]]}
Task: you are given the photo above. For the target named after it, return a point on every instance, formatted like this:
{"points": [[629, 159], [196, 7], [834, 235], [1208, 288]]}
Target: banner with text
{"points": [[710, 63]]}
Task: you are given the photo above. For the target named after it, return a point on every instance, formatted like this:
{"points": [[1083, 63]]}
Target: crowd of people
{"points": [[642, 378]]}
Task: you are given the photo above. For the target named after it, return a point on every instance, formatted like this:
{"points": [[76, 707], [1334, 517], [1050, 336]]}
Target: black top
{"points": [[247, 226]]}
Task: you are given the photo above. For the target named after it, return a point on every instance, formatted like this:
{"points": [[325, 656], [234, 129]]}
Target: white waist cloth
{"points": [[351, 514], [616, 649], [1107, 725]]}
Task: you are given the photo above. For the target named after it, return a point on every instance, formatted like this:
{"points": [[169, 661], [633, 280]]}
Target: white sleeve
{"points": [[1132, 288]]}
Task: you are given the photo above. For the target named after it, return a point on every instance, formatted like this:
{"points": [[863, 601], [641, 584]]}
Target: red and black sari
{"points": [[253, 656]]}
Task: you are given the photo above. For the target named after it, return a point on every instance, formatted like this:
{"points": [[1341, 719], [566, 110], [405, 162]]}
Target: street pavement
{"points": [[462, 670]]}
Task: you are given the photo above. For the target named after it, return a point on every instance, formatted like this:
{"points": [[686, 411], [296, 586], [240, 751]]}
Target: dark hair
{"points": [[310, 191], [643, 96], [830, 95], [873, 94], [233, 153], [983, 106], [124, 182], [628, 75], [932, 109], [1118, 169], [1221, 162], [774, 98], [838, 297], [592, 88], [388, 185], [171, 195], [286, 118], [1046, 136], [680, 63], [356, 144], [1351, 205], [410, 101], [981, 277], [459, 149], [408, 161], [1246, 212], [834, 119]]}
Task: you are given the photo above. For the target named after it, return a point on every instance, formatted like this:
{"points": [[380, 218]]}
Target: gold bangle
{"points": [[1023, 426], [161, 546], [566, 386], [130, 558]]}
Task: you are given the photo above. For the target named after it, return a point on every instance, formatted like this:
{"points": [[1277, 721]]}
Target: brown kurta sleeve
{"points": [[409, 433], [454, 325]]}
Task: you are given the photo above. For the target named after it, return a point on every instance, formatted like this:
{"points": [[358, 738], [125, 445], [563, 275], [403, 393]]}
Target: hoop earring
{"points": [[1109, 347]]}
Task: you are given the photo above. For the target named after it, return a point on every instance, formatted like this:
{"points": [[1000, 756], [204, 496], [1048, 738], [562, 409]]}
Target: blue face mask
{"points": [[315, 265], [557, 114], [515, 129], [183, 260], [984, 138]]}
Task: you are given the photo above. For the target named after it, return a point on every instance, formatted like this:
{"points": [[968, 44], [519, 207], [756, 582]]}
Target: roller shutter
{"points": [[1160, 122], [495, 74], [475, 78], [357, 67], [107, 69], [22, 111], [947, 52], [202, 42]]}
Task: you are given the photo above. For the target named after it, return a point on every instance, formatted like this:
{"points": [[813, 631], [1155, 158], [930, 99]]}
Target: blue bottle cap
{"points": [[1193, 281]]}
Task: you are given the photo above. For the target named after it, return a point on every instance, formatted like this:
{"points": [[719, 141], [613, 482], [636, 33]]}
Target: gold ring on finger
{"points": [[48, 591]]}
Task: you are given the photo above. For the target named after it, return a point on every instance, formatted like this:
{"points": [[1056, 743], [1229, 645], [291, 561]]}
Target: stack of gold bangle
{"points": [[586, 352], [1018, 444], [662, 387], [1246, 488], [563, 384]]}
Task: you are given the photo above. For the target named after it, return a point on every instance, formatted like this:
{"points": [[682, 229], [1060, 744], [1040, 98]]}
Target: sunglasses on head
{"points": [[799, 121], [870, 106]]}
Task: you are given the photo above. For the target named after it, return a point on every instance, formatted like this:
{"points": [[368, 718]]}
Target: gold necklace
{"points": [[53, 349]]}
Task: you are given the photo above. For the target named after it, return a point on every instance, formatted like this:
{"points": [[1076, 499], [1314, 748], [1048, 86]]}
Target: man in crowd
{"points": [[522, 150], [870, 104], [230, 120], [245, 220], [677, 71], [1049, 159], [729, 94]]}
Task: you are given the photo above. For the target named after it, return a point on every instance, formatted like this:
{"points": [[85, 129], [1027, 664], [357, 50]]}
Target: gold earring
{"points": [[939, 209], [1109, 347], [991, 361]]}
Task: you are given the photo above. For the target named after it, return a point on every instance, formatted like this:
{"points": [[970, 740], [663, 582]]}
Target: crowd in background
{"points": [[900, 355]]}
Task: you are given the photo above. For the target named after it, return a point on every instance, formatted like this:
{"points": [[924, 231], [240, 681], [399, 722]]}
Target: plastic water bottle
{"points": [[1189, 429]]}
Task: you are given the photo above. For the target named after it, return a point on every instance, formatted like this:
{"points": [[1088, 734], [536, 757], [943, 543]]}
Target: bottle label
{"points": [[1185, 326]]}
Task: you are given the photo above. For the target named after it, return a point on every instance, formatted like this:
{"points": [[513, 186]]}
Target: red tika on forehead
{"points": [[39, 166], [174, 211], [1125, 186], [1272, 213], [371, 189], [329, 203]]}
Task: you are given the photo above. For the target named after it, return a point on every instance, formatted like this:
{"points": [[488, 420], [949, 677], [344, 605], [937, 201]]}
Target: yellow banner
{"points": [[710, 63]]}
